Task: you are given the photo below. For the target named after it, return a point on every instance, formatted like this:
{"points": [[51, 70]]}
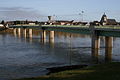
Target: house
{"points": [[17, 22], [43, 23], [1, 25], [96, 23], [118, 23], [63, 22], [80, 23], [84, 23], [111, 22]]}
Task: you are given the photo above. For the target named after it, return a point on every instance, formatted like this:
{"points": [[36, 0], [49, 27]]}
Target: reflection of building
{"points": [[105, 21]]}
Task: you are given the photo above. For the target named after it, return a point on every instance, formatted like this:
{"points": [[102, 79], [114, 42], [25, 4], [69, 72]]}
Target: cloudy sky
{"points": [[61, 9]]}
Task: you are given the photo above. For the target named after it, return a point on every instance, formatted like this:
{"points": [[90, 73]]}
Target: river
{"points": [[24, 57]]}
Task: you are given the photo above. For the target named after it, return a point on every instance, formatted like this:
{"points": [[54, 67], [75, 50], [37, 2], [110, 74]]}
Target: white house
{"points": [[1, 25]]}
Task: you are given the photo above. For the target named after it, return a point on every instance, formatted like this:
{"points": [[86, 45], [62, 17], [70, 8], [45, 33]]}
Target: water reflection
{"points": [[19, 32], [30, 40], [25, 33], [43, 41], [51, 42], [95, 55], [108, 54], [15, 32]]}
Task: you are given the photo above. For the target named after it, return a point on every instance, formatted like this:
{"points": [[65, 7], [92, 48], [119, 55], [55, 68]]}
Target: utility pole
{"points": [[81, 13]]}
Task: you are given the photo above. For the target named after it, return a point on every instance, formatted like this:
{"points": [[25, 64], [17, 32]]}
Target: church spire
{"points": [[104, 13], [103, 19]]}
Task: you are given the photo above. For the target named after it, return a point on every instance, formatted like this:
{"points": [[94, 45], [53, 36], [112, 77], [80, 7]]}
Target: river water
{"points": [[24, 57]]}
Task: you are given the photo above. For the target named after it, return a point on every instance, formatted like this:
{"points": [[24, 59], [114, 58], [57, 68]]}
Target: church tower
{"points": [[103, 20]]}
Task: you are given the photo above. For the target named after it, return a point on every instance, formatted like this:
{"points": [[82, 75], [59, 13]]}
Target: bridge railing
{"points": [[66, 26], [107, 27]]}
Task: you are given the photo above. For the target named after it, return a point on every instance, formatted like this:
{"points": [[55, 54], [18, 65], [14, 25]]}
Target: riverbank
{"points": [[107, 71]]}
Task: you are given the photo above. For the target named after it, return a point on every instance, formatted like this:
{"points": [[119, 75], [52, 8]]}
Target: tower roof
{"points": [[104, 15]]}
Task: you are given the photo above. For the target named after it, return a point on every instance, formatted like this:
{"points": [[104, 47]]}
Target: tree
{"points": [[3, 22], [36, 22], [26, 22]]}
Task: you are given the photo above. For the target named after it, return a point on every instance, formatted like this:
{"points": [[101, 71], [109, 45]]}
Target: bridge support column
{"points": [[95, 42], [25, 32], [51, 36], [95, 38], [108, 48], [95, 45], [108, 42], [15, 32], [43, 36], [30, 33], [19, 32]]}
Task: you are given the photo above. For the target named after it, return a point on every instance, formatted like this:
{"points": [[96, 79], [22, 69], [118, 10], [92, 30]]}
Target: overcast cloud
{"points": [[20, 13]]}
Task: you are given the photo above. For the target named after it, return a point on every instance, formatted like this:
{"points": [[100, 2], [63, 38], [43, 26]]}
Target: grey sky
{"points": [[36, 9]]}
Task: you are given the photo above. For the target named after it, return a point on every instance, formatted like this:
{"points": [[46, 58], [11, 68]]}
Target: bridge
{"points": [[111, 31], [95, 31]]}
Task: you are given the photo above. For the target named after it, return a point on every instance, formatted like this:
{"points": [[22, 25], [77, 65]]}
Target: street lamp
{"points": [[82, 12]]}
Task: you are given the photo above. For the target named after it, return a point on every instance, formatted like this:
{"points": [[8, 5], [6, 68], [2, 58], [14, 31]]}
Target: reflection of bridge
{"points": [[95, 32]]}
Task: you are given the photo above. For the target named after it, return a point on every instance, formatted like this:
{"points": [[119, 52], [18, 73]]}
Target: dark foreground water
{"points": [[20, 57]]}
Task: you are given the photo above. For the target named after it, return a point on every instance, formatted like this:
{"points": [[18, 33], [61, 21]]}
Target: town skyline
{"points": [[37, 10]]}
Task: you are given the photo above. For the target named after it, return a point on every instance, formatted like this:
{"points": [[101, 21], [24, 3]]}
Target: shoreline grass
{"points": [[107, 71]]}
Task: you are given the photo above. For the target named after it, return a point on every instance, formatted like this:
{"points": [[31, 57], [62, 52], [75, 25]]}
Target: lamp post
{"points": [[54, 18], [82, 12]]}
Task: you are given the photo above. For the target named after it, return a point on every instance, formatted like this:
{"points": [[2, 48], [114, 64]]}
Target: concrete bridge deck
{"points": [[111, 31]]}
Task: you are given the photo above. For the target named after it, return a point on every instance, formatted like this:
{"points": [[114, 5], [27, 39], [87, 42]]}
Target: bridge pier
{"points": [[108, 48], [25, 32], [95, 38], [108, 42], [51, 38], [95, 42], [30, 33], [15, 32], [43, 36], [19, 32]]}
